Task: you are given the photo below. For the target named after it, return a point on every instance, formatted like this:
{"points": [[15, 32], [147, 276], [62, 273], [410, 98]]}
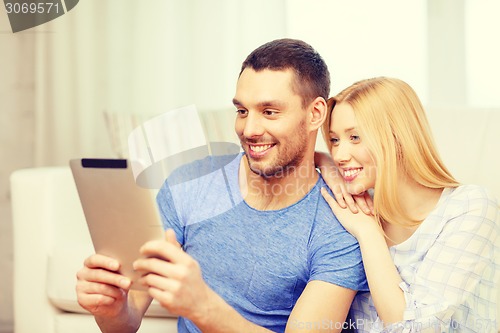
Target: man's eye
{"points": [[241, 112], [270, 112]]}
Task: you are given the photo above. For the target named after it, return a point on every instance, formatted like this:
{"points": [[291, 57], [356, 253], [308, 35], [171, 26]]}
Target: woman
{"points": [[430, 246]]}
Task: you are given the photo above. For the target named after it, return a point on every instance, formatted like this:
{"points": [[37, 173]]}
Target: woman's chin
{"points": [[356, 189]]}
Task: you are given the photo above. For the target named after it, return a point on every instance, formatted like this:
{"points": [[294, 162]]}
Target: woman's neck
{"points": [[417, 202]]}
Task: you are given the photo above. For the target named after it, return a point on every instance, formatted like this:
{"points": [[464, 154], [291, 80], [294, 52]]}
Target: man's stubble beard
{"points": [[288, 159]]}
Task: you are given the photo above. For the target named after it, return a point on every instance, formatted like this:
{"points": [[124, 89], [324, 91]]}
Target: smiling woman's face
{"points": [[349, 152]]}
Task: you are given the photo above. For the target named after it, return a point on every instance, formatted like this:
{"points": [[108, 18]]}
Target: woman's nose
{"points": [[341, 153]]}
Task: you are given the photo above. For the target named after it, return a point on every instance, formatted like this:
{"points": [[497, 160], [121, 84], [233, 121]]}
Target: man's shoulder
{"points": [[202, 189], [325, 222], [198, 169], [336, 257], [324, 212]]}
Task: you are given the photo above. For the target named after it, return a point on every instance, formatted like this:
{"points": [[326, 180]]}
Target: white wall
{"points": [[482, 53], [361, 38]]}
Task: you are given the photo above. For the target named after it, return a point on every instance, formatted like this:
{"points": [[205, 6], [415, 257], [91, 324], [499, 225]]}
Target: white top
{"points": [[449, 267]]}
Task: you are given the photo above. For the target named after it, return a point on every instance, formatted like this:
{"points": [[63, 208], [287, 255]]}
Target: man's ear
{"points": [[317, 113]]}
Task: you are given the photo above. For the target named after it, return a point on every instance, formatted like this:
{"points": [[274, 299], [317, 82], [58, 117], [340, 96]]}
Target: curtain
{"points": [[106, 66]]}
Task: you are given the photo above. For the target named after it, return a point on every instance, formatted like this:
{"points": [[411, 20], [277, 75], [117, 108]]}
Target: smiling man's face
{"points": [[270, 122]]}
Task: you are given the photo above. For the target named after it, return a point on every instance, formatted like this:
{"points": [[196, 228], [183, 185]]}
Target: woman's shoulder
{"points": [[472, 193], [472, 188], [473, 204]]}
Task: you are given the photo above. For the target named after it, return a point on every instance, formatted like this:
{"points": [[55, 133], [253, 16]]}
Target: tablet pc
{"points": [[121, 216]]}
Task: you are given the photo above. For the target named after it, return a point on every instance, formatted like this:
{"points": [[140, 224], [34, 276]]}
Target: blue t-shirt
{"points": [[257, 261]]}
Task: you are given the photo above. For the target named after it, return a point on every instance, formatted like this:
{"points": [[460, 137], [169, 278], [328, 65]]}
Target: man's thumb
{"points": [[171, 238]]}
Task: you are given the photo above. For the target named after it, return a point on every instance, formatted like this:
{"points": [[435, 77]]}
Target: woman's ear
{"points": [[317, 113]]}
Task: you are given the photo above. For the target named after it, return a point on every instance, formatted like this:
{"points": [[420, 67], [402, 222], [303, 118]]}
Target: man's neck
{"points": [[273, 193]]}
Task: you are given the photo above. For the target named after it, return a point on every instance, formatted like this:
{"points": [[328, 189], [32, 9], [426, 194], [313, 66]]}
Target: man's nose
{"points": [[253, 126]]}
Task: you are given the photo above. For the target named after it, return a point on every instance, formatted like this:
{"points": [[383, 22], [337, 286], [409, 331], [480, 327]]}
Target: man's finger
{"points": [[100, 261], [159, 267], [164, 250], [171, 238], [94, 301]]}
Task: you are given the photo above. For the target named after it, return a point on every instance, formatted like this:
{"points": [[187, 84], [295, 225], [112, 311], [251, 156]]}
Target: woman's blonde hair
{"points": [[393, 124]]}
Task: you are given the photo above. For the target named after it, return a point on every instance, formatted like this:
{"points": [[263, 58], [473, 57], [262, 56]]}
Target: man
{"points": [[261, 250]]}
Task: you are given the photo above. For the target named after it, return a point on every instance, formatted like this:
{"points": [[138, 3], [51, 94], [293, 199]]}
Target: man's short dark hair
{"points": [[312, 78]]}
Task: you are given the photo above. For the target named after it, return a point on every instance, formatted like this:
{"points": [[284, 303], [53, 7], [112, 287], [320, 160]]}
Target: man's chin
{"points": [[265, 172], [261, 172]]}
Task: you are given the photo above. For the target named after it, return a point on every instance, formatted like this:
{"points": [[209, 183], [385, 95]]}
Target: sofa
{"points": [[51, 239]]}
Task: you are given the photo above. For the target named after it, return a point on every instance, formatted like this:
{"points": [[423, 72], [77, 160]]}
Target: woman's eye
{"points": [[334, 141], [355, 138]]}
